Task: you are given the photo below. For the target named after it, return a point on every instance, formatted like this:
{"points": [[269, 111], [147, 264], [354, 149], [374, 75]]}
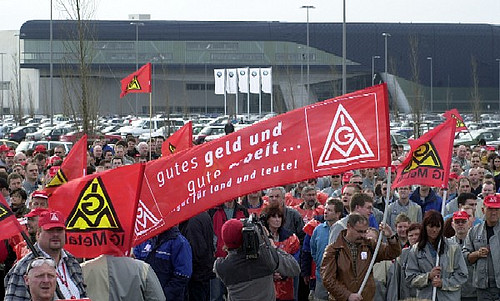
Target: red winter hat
{"points": [[232, 233], [51, 219]]}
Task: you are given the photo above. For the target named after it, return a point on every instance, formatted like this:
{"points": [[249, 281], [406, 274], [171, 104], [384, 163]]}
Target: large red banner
{"points": [[100, 211], [329, 137], [429, 160]]}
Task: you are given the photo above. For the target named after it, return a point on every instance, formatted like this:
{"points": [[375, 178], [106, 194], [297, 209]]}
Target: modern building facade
{"points": [[461, 59]]}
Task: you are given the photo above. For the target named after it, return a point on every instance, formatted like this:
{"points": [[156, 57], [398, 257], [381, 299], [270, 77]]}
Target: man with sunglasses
{"points": [[335, 189], [50, 243], [40, 278]]}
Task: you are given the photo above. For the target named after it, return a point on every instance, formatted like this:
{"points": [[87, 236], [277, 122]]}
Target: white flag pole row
{"points": [[245, 80]]}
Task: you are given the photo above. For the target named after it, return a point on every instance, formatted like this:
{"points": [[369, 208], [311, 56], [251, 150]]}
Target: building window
{"points": [[200, 87]]}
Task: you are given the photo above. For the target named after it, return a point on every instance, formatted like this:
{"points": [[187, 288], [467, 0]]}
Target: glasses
{"points": [[336, 176], [460, 221], [39, 261], [57, 152], [358, 183]]}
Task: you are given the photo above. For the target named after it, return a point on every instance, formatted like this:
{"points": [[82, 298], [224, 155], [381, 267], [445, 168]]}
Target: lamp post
{"points": [[498, 60], [385, 34], [307, 7], [51, 101], [373, 68], [19, 90], [137, 24], [344, 52], [432, 95]]}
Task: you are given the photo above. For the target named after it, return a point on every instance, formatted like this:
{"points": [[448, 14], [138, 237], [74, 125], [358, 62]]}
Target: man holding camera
{"points": [[250, 276]]}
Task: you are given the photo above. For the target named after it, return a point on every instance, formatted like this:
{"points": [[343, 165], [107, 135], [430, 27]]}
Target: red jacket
{"points": [[219, 218]]}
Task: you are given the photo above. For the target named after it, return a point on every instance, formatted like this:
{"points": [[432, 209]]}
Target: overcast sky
{"points": [[16, 12]]}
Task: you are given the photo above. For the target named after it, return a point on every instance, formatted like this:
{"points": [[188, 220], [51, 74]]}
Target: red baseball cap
{"points": [[40, 194], [40, 148], [11, 154], [232, 235], [53, 170], [4, 148], [454, 175], [492, 201], [347, 176], [51, 219], [460, 215], [53, 160], [36, 212]]}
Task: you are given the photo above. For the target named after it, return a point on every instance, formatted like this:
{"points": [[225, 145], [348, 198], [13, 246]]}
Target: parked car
{"points": [[75, 136], [26, 145], [19, 134], [55, 133], [142, 126], [9, 143]]}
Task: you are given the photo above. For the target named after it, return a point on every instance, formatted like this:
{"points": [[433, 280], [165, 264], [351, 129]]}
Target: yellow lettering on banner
{"points": [[94, 210]]}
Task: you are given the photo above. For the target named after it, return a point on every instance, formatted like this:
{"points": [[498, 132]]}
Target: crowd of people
{"points": [[319, 237]]}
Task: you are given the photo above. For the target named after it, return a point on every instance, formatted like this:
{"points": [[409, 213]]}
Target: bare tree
{"points": [[81, 93], [475, 97], [31, 101], [417, 90], [15, 91]]}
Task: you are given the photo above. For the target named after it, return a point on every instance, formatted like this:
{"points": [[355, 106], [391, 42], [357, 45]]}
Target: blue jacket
{"points": [[432, 201], [319, 241], [169, 254]]}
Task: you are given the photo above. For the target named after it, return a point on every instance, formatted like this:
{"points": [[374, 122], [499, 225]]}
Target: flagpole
{"points": [[248, 93], [271, 75], [237, 93], [379, 241], [225, 92], [260, 93], [150, 123], [443, 206]]}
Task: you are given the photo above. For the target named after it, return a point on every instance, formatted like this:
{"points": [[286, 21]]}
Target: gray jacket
{"points": [[453, 271], [476, 238]]}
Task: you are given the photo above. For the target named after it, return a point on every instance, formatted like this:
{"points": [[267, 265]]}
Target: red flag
{"points": [[429, 160], [340, 134], [74, 166], [8, 222], [180, 140], [137, 82], [100, 211], [453, 114]]}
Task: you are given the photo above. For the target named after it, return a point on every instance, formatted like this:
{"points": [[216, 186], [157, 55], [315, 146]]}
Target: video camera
{"points": [[253, 236]]}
